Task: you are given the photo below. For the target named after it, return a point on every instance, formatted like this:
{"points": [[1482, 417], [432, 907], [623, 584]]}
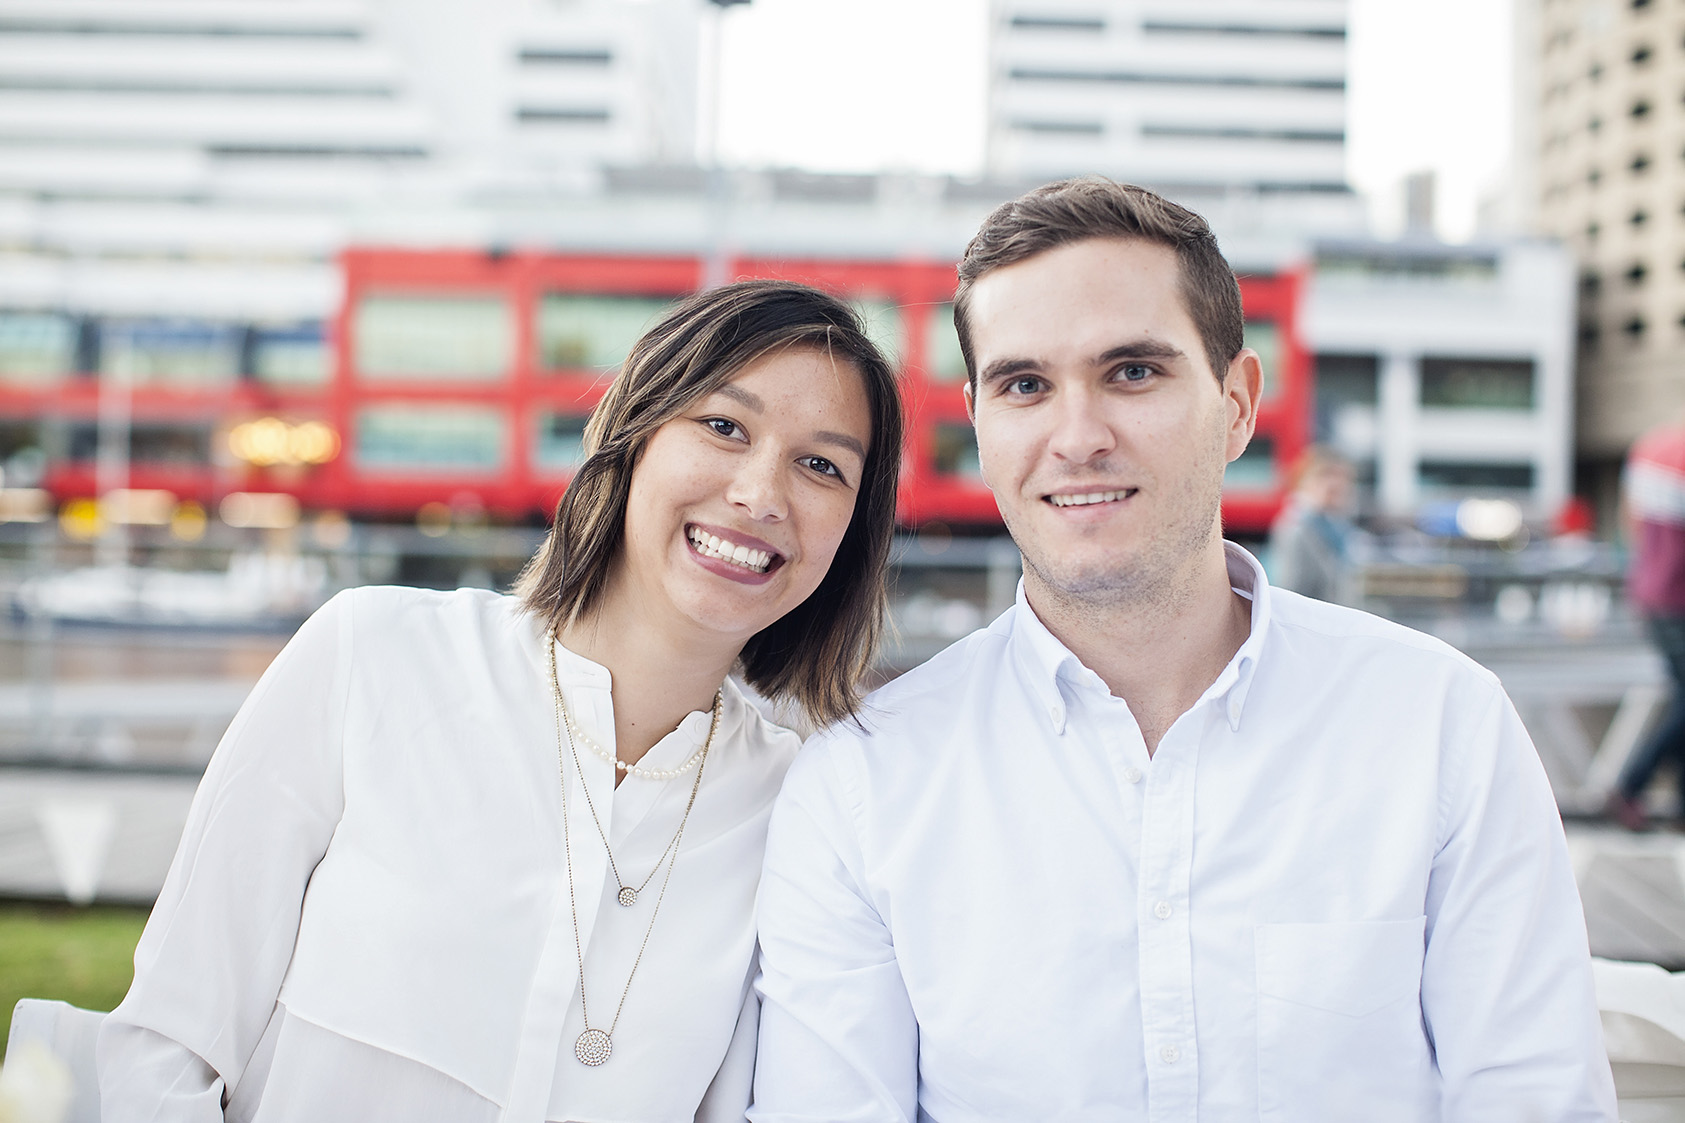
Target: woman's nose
{"points": [[758, 488]]}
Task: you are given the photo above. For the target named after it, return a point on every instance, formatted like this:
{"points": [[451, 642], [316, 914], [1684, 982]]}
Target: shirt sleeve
{"points": [[1507, 992], [838, 1039], [727, 1098], [209, 965]]}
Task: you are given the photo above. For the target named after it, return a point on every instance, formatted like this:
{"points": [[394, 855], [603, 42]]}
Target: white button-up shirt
{"points": [[369, 919], [1338, 891]]}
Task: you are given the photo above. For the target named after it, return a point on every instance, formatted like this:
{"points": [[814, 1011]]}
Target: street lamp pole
{"points": [[715, 269]]}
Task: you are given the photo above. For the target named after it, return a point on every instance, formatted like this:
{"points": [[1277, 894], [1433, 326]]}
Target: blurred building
{"points": [[1599, 140], [1247, 94], [1446, 371]]}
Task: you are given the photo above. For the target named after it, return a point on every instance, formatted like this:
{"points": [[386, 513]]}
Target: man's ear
{"points": [[970, 396], [1242, 387]]}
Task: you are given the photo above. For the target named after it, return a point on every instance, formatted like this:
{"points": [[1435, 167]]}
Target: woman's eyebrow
{"points": [[844, 440], [747, 399]]}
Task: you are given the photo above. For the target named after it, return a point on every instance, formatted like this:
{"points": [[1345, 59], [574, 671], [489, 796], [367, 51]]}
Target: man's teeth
{"points": [[712, 546], [1089, 497]]}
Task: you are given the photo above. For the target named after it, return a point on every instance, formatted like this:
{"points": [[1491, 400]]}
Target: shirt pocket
{"points": [[1340, 1033]]}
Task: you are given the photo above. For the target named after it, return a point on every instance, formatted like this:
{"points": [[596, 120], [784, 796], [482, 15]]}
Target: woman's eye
{"points": [[822, 466], [724, 427]]}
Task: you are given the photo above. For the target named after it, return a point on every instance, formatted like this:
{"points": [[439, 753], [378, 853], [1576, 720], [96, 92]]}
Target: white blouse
{"points": [[368, 917]]}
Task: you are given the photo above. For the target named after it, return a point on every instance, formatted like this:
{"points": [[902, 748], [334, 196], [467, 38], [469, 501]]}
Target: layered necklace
{"points": [[594, 1046]]}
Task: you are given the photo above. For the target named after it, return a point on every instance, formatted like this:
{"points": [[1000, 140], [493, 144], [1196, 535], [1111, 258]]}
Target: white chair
{"points": [[69, 1033]]}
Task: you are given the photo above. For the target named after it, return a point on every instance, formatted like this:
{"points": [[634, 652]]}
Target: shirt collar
{"points": [[1044, 660]]}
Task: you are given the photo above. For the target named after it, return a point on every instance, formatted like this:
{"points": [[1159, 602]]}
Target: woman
{"points": [[376, 912]]}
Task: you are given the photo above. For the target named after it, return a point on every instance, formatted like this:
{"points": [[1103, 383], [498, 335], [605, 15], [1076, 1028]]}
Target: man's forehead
{"points": [[1081, 294]]}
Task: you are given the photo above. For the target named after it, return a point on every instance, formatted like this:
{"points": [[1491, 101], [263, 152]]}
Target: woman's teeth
{"points": [[1090, 497], [710, 546]]}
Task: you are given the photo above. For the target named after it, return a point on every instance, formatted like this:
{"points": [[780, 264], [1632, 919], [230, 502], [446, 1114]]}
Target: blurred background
{"points": [[301, 294]]}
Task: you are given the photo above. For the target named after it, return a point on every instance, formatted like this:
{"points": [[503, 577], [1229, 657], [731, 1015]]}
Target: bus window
{"points": [[581, 332], [433, 337]]}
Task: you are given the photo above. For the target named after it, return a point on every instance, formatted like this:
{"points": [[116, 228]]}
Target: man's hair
{"points": [[1075, 210], [819, 651]]}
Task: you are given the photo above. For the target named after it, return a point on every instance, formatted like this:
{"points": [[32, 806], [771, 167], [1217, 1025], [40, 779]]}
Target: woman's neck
{"points": [[657, 677]]}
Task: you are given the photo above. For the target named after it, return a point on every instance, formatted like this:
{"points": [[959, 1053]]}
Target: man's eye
{"points": [[1025, 385], [1135, 372]]}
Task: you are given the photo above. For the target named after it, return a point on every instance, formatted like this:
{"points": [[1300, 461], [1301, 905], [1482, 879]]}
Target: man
{"points": [[1655, 518], [1311, 537], [1162, 843]]}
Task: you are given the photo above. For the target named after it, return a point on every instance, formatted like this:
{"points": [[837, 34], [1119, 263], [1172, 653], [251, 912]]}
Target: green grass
{"points": [[84, 956]]}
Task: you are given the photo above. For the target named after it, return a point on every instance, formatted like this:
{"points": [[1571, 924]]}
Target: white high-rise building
{"points": [[1173, 93]]}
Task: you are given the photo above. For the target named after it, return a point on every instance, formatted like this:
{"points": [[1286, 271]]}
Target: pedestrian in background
{"points": [[1654, 501], [1310, 540]]}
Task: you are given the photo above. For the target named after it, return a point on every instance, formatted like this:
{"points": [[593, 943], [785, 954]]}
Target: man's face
{"points": [[1100, 425]]}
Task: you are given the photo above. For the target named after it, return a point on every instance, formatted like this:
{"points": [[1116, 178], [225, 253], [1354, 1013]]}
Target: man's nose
{"points": [[1082, 431]]}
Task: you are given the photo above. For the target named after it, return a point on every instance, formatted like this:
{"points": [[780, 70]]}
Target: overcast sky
{"points": [[858, 85]]}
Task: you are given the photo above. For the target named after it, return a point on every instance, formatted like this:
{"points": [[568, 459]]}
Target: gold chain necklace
{"points": [[594, 1046]]}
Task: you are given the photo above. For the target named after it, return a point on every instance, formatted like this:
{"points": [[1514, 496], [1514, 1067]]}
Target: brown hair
{"points": [[1074, 210], [817, 653]]}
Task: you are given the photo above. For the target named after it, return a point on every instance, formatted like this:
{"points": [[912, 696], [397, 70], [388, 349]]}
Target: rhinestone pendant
{"points": [[593, 1047], [628, 896]]}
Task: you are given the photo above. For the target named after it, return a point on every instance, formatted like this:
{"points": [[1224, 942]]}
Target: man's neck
{"points": [[1159, 650]]}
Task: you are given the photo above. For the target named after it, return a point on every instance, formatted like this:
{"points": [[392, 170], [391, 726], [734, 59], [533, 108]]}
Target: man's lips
{"points": [[1089, 498]]}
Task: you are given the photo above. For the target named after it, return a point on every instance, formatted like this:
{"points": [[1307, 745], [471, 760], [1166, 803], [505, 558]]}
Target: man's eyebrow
{"points": [[1141, 349], [1006, 368], [747, 399], [842, 440]]}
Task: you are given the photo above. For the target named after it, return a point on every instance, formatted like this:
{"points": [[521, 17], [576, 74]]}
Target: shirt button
{"points": [[1162, 910], [1133, 775], [1170, 1054], [1053, 712]]}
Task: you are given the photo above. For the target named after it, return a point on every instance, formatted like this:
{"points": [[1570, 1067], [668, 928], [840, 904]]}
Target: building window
{"points": [[1254, 469], [1589, 336], [943, 360], [1640, 162], [1595, 72], [1592, 230], [36, 347], [420, 438], [296, 355], [468, 337], [1634, 328], [882, 319], [1638, 5], [182, 352], [955, 450], [1463, 475], [1455, 383], [566, 56], [1594, 177], [1059, 128], [1639, 218], [1636, 273], [1641, 54], [1090, 24], [1344, 382], [1640, 109], [577, 331], [1591, 283], [561, 442], [562, 115], [1264, 337], [1594, 126]]}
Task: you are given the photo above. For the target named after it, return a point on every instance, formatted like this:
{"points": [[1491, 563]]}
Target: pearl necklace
{"points": [[580, 737]]}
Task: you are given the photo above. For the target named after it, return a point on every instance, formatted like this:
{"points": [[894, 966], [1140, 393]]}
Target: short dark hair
{"points": [[1074, 210], [817, 653]]}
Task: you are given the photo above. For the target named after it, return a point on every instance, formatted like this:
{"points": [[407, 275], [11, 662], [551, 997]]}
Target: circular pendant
{"points": [[593, 1047], [628, 896]]}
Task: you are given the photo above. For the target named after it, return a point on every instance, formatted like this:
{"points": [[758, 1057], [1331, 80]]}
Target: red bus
{"points": [[465, 377]]}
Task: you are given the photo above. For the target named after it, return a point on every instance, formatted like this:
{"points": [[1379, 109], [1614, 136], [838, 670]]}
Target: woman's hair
{"points": [[817, 653]]}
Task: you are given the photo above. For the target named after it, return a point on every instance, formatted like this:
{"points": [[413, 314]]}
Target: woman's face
{"points": [[738, 505]]}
